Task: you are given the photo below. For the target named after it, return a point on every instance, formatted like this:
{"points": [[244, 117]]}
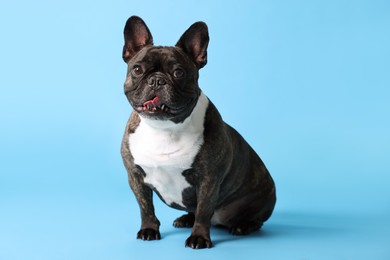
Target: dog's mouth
{"points": [[154, 105]]}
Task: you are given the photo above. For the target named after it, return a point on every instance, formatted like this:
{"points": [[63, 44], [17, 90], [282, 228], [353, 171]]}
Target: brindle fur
{"points": [[229, 182]]}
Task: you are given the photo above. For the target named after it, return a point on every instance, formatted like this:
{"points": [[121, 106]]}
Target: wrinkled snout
{"points": [[156, 81]]}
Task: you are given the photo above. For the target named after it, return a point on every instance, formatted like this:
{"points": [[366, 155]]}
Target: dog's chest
{"points": [[164, 150], [164, 157]]}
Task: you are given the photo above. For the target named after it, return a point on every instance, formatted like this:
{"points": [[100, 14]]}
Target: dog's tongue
{"points": [[152, 102]]}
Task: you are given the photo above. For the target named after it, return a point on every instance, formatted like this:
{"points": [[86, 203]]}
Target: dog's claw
{"points": [[148, 234], [198, 242]]}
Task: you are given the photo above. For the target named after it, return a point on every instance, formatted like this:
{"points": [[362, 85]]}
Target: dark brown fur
{"points": [[229, 182]]}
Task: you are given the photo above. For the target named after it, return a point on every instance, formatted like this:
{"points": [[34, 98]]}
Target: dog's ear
{"points": [[137, 36], [194, 42]]}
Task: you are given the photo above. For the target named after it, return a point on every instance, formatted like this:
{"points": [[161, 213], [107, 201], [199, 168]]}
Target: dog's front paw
{"points": [[198, 242], [148, 234]]}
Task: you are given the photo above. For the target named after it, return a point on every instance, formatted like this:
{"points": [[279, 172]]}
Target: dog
{"points": [[177, 145]]}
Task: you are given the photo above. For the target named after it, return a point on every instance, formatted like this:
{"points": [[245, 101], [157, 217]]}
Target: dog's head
{"points": [[162, 82]]}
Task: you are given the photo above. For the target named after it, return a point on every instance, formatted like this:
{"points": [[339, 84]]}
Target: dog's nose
{"points": [[156, 81]]}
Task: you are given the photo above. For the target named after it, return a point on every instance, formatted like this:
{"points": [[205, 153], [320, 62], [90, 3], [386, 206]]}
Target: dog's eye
{"points": [[178, 73], [137, 70]]}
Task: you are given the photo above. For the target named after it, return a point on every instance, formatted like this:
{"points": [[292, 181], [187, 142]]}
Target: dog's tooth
{"points": [[162, 107]]}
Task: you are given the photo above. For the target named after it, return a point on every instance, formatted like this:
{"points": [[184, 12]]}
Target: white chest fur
{"points": [[164, 150]]}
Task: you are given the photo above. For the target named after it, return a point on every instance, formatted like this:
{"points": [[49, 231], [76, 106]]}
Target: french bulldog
{"points": [[177, 145]]}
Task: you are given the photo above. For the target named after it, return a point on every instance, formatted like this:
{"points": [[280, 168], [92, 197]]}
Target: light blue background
{"points": [[305, 82]]}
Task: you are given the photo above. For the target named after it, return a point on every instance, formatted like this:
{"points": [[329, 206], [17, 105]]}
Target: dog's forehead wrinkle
{"points": [[165, 51], [160, 57]]}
